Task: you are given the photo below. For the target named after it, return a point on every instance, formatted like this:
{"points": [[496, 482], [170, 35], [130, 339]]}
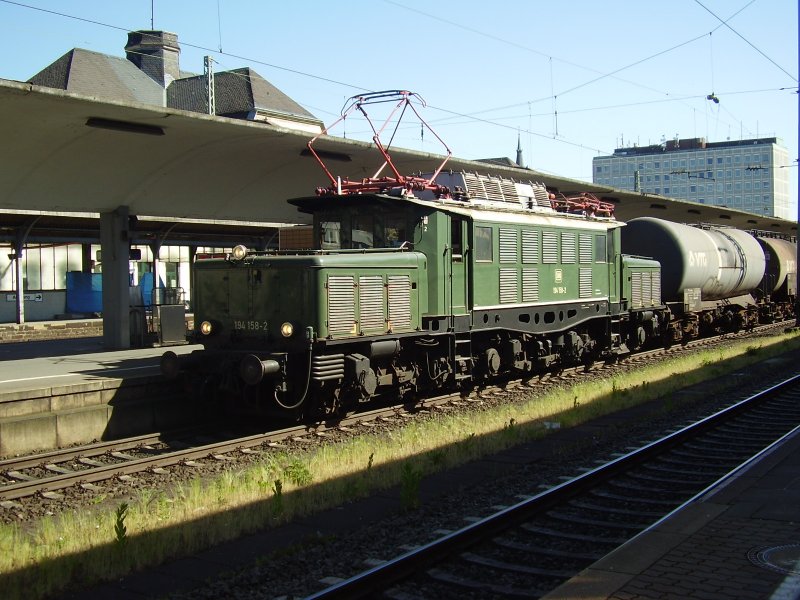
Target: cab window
{"points": [[394, 231], [330, 235], [361, 235]]}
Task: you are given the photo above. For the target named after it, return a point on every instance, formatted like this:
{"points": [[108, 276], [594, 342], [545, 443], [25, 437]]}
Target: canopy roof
{"points": [[63, 152]]}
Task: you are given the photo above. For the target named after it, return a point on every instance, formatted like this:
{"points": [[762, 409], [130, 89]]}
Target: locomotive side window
{"points": [[600, 249], [456, 239], [483, 244]]}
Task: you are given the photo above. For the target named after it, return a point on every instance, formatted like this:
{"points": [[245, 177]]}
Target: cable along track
{"points": [[529, 549]]}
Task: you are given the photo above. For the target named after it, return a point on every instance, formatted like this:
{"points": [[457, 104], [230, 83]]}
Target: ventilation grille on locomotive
{"points": [[400, 302], [585, 248], [645, 289], [530, 246], [341, 304], [371, 303], [508, 285], [585, 284], [508, 245], [529, 195], [568, 248], [549, 247], [530, 285]]}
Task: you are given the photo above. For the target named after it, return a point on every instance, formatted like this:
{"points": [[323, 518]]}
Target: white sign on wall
{"points": [[28, 297]]}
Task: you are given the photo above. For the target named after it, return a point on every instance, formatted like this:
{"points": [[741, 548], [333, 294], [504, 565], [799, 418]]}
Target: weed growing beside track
{"points": [[77, 549]]}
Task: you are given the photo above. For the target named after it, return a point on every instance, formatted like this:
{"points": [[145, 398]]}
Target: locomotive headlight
{"points": [[287, 329], [239, 252], [206, 328]]}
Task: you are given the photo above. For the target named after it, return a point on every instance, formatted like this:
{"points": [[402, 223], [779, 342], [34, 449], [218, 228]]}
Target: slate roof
{"points": [[239, 93], [93, 74]]}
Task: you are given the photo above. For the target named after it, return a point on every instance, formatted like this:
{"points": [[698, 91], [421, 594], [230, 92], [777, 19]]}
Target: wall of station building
{"points": [[45, 268]]}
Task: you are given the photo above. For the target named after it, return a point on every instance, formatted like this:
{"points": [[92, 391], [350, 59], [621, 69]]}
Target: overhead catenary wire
{"points": [[453, 114]]}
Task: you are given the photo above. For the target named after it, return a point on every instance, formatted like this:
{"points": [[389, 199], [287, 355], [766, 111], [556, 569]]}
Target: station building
{"points": [[746, 175], [149, 74]]}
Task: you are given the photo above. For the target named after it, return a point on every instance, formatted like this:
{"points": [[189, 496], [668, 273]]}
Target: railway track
{"points": [[528, 549], [44, 475]]}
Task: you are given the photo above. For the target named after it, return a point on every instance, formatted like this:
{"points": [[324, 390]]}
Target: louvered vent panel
{"points": [[647, 290], [568, 248], [542, 195], [585, 250], [508, 285], [585, 285], [509, 191], [474, 186], [341, 305], [530, 246], [400, 302], [656, 283], [493, 190], [636, 290], [530, 285], [508, 246], [371, 303], [549, 247]]}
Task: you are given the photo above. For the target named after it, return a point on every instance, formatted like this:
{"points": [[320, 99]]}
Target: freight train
{"points": [[419, 284]]}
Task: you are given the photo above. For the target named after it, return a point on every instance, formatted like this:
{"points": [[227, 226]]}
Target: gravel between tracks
{"points": [[297, 569]]}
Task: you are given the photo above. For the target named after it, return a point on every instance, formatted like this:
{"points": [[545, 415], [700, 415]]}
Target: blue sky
{"points": [[574, 79]]}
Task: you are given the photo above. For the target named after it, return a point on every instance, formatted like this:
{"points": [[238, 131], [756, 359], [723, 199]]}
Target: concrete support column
{"points": [[115, 248], [86, 258], [19, 250], [155, 250], [192, 253]]}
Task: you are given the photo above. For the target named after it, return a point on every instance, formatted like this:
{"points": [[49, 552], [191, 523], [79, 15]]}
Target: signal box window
{"points": [[483, 244]]}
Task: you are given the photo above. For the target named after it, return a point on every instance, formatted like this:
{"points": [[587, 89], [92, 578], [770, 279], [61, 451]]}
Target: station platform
{"points": [[739, 540], [59, 392], [74, 361]]}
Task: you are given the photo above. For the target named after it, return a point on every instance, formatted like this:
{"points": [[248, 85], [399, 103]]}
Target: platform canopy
{"points": [[63, 152]]}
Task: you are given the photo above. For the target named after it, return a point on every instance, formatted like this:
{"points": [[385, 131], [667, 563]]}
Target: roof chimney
{"points": [[156, 53]]}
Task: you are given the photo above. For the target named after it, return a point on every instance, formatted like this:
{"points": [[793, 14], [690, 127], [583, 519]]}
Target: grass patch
{"points": [[77, 549]]}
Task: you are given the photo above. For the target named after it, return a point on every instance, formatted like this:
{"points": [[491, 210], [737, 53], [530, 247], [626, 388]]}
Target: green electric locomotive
{"points": [[407, 293], [417, 284]]}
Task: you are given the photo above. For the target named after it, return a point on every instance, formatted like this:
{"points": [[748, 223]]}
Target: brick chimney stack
{"points": [[156, 53]]}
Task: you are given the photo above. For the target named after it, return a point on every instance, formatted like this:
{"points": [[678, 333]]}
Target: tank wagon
{"points": [[715, 279], [425, 283], [777, 291]]}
